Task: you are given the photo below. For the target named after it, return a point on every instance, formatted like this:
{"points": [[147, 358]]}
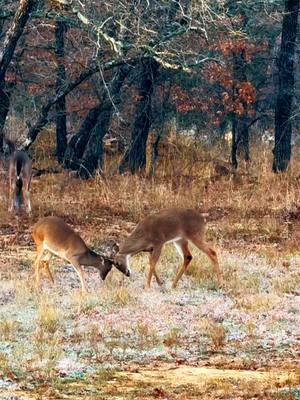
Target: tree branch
{"points": [[13, 34], [43, 117]]}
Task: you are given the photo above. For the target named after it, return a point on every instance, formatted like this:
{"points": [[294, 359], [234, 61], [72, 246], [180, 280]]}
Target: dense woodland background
{"points": [[133, 71]]}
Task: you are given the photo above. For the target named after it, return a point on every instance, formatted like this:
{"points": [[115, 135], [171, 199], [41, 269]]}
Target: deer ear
{"points": [[107, 267], [115, 248], [112, 247]]}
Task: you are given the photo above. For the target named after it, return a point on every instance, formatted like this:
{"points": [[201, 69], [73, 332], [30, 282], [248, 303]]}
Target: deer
{"points": [[174, 225], [19, 173], [52, 235]]}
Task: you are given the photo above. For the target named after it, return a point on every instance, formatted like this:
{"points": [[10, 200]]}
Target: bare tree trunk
{"points": [[283, 109], [4, 109], [160, 120], [134, 159], [240, 126], [13, 34], [241, 122], [77, 144], [244, 135], [154, 153], [234, 142], [93, 154], [84, 151], [2, 19], [61, 120], [222, 126], [6, 54]]}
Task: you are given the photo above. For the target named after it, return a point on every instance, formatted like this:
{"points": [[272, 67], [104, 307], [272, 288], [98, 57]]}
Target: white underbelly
{"points": [[60, 254], [128, 262], [175, 239]]}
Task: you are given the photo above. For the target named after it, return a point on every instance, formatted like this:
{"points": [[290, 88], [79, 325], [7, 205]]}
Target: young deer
{"points": [[19, 173], [176, 225], [52, 234]]}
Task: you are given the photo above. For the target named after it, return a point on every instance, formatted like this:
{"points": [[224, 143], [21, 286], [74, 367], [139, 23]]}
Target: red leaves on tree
{"points": [[190, 101], [236, 96], [246, 92], [231, 47]]}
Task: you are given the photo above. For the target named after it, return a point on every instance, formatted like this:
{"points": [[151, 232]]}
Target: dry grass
{"points": [[8, 329], [48, 318], [286, 283], [258, 302], [172, 339], [147, 335], [215, 332]]}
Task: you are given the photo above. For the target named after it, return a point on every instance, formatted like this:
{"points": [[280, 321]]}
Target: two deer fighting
{"points": [[176, 225]]}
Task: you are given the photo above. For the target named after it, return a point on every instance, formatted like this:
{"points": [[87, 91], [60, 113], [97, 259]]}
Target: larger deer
{"points": [[54, 237], [174, 225], [19, 174]]}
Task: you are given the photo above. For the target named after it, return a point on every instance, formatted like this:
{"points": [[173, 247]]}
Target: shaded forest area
{"points": [[120, 70]]}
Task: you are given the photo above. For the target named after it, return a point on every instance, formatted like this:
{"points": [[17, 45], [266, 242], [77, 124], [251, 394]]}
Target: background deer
{"points": [[176, 225], [53, 235], [19, 174]]}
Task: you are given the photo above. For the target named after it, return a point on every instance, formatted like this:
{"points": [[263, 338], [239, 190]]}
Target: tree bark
{"points": [[61, 119], [93, 155], [241, 122], [244, 135], [77, 144], [234, 141], [6, 54], [13, 34], [134, 159], [4, 109], [161, 110], [283, 108], [154, 152], [240, 126]]}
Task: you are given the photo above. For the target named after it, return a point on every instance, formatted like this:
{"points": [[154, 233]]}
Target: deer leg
{"points": [[183, 250], [158, 280], [154, 256], [37, 260], [10, 195], [46, 261], [27, 194], [27, 201], [9, 188], [75, 264], [212, 256]]}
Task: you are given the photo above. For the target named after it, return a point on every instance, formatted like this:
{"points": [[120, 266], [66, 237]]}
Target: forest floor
{"points": [[122, 342]]}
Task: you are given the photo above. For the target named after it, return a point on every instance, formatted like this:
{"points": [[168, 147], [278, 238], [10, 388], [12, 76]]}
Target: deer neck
{"points": [[90, 258]]}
